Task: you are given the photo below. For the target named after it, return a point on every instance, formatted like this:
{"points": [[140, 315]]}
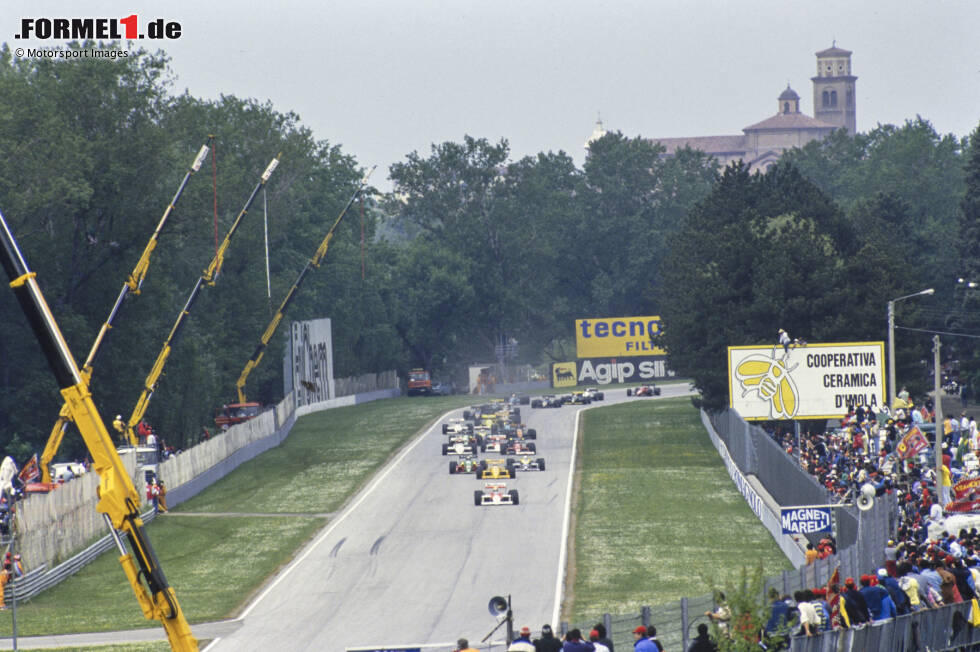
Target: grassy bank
{"points": [[216, 563], [657, 518]]}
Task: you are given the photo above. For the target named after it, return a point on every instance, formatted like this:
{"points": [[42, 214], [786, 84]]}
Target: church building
{"points": [[761, 144]]}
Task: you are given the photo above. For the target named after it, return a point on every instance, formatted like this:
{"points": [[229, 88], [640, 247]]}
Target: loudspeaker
{"points": [[497, 606], [867, 498]]}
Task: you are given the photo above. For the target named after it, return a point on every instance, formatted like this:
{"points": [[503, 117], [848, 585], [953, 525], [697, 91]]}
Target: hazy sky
{"points": [[383, 78]]}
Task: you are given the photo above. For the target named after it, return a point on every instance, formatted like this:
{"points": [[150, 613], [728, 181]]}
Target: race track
{"points": [[412, 562]]}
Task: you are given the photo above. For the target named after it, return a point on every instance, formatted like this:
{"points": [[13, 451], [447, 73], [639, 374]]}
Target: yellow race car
{"points": [[495, 469]]}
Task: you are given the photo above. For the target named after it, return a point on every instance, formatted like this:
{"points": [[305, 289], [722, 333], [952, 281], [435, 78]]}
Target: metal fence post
{"points": [[685, 618], [645, 616]]}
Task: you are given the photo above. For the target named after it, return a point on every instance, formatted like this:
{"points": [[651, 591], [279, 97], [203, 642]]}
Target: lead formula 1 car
{"points": [[495, 493]]}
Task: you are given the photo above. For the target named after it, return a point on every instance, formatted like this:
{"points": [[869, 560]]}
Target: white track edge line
{"points": [[329, 529], [563, 554]]}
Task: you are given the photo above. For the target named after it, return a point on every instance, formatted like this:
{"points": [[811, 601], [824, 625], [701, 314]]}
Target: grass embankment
{"points": [[215, 563], [658, 517]]}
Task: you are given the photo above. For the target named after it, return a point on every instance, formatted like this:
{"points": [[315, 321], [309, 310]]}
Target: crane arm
{"points": [[315, 261], [209, 276], [133, 284], [118, 499]]}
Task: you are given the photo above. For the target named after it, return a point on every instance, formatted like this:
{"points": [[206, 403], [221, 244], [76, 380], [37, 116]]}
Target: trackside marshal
{"points": [[805, 520]]}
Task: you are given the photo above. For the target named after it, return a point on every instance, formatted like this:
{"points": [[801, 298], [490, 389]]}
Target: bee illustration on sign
{"points": [[770, 378]]}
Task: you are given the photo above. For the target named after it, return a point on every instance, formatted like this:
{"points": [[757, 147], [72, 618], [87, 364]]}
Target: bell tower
{"points": [[834, 99]]}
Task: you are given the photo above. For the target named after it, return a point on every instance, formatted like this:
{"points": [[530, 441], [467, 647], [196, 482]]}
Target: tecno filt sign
{"points": [[617, 337], [814, 381], [605, 371]]}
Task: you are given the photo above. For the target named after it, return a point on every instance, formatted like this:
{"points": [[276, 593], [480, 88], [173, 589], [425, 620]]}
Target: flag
{"points": [[912, 443], [31, 471]]}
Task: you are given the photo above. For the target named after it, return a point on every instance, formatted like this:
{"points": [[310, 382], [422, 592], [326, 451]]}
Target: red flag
{"points": [[912, 443], [31, 471]]}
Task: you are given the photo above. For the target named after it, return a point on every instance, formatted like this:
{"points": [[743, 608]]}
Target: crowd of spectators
{"points": [[926, 566]]}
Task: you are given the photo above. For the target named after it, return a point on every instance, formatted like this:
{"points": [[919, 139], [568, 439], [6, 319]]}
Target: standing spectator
{"points": [[4, 578], [463, 645], [151, 439], [523, 642], [17, 567], [777, 628], [947, 586], [143, 429], [603, 638], [652, 635], [547, 642], [153, 494], [784, 340], [596, 644], [722, 614], [913, 584], [895, 592], [880, 604], [855, 606], [703, 643], [162, 496], [574, 642], [811, 553], [809, 620], [640, 641]]}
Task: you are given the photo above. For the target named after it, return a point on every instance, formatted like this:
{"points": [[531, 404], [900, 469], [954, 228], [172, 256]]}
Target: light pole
{"points": [[891, 342]]}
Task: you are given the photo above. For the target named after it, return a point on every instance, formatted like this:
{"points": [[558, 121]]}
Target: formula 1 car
{"points": [[519, 447], [456, 426], [465, 464], [519, 431], [526, 463], [579, 398], [594, 393], [460, 448], [495, 469], [495, 493], [495, 444], [644, 390], [519, 399], [547, 401]]}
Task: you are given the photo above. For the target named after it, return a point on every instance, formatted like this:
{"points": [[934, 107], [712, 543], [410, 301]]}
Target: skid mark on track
{"points": [[376, 546], [336, 548]]}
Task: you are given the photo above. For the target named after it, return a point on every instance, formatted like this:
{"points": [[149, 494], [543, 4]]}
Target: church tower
{"points": [[834, 100]]}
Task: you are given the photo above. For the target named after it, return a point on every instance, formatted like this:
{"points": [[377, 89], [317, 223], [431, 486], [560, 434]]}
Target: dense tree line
{"points": [[470, 249]]}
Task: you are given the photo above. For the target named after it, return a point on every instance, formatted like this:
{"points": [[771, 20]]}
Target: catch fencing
{"points": [[752, 456]]}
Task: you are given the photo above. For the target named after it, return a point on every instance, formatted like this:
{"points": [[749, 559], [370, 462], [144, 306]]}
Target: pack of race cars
{"points": [[494, 428]]}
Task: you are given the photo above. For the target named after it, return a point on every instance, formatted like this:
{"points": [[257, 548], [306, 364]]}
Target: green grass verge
{"points": [[158, 646], [658, 517], [216, 563]]}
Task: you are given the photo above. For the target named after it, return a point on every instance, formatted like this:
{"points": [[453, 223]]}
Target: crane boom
{"points": [[209, 276], [134, 284], [118, 500], [315, 261]]}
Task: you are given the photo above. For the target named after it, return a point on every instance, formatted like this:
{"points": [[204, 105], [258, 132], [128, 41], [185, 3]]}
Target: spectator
{"points": [[722, 614], [603, 638], [855, 606], [947, 585], [153, 494], [652, 635], [4, 578], [811, 553], [17, 568], [162, 495], [548, 642], [463, 645], [596, 643], [880, 604], [120, 426], [574, 642], [523, 642], [809, 621], [777, 628], [895, 592], [703, 643], [640, 641]]}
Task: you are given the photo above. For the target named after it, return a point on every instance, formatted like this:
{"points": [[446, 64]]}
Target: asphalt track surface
{"points": [[411, 562]]}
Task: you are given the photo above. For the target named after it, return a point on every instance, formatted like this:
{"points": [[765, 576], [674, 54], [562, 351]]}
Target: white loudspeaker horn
{"points": [[497, 606], [867, 498]]}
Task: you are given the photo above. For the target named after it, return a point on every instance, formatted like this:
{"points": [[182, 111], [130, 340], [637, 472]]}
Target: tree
{"points": [[967, 316], [761, 252]]}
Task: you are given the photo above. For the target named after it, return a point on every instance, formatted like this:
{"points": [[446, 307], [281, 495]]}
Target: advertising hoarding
{"points": [[616, 337], [814, 381], [605, 371]]}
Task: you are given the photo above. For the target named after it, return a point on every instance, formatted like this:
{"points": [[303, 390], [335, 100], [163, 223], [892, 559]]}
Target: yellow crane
{"points": [[118, 500], [132, 285], [315, 261], [209, 276]]}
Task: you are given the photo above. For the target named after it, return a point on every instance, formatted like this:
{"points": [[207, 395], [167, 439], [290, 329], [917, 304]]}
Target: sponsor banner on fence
{"points": [[616, 337], [805, 520], [604, 371], [813, 381]]}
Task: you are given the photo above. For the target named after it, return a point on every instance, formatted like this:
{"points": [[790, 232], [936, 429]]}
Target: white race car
{"points": [[495, 493], [456, 426]]}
